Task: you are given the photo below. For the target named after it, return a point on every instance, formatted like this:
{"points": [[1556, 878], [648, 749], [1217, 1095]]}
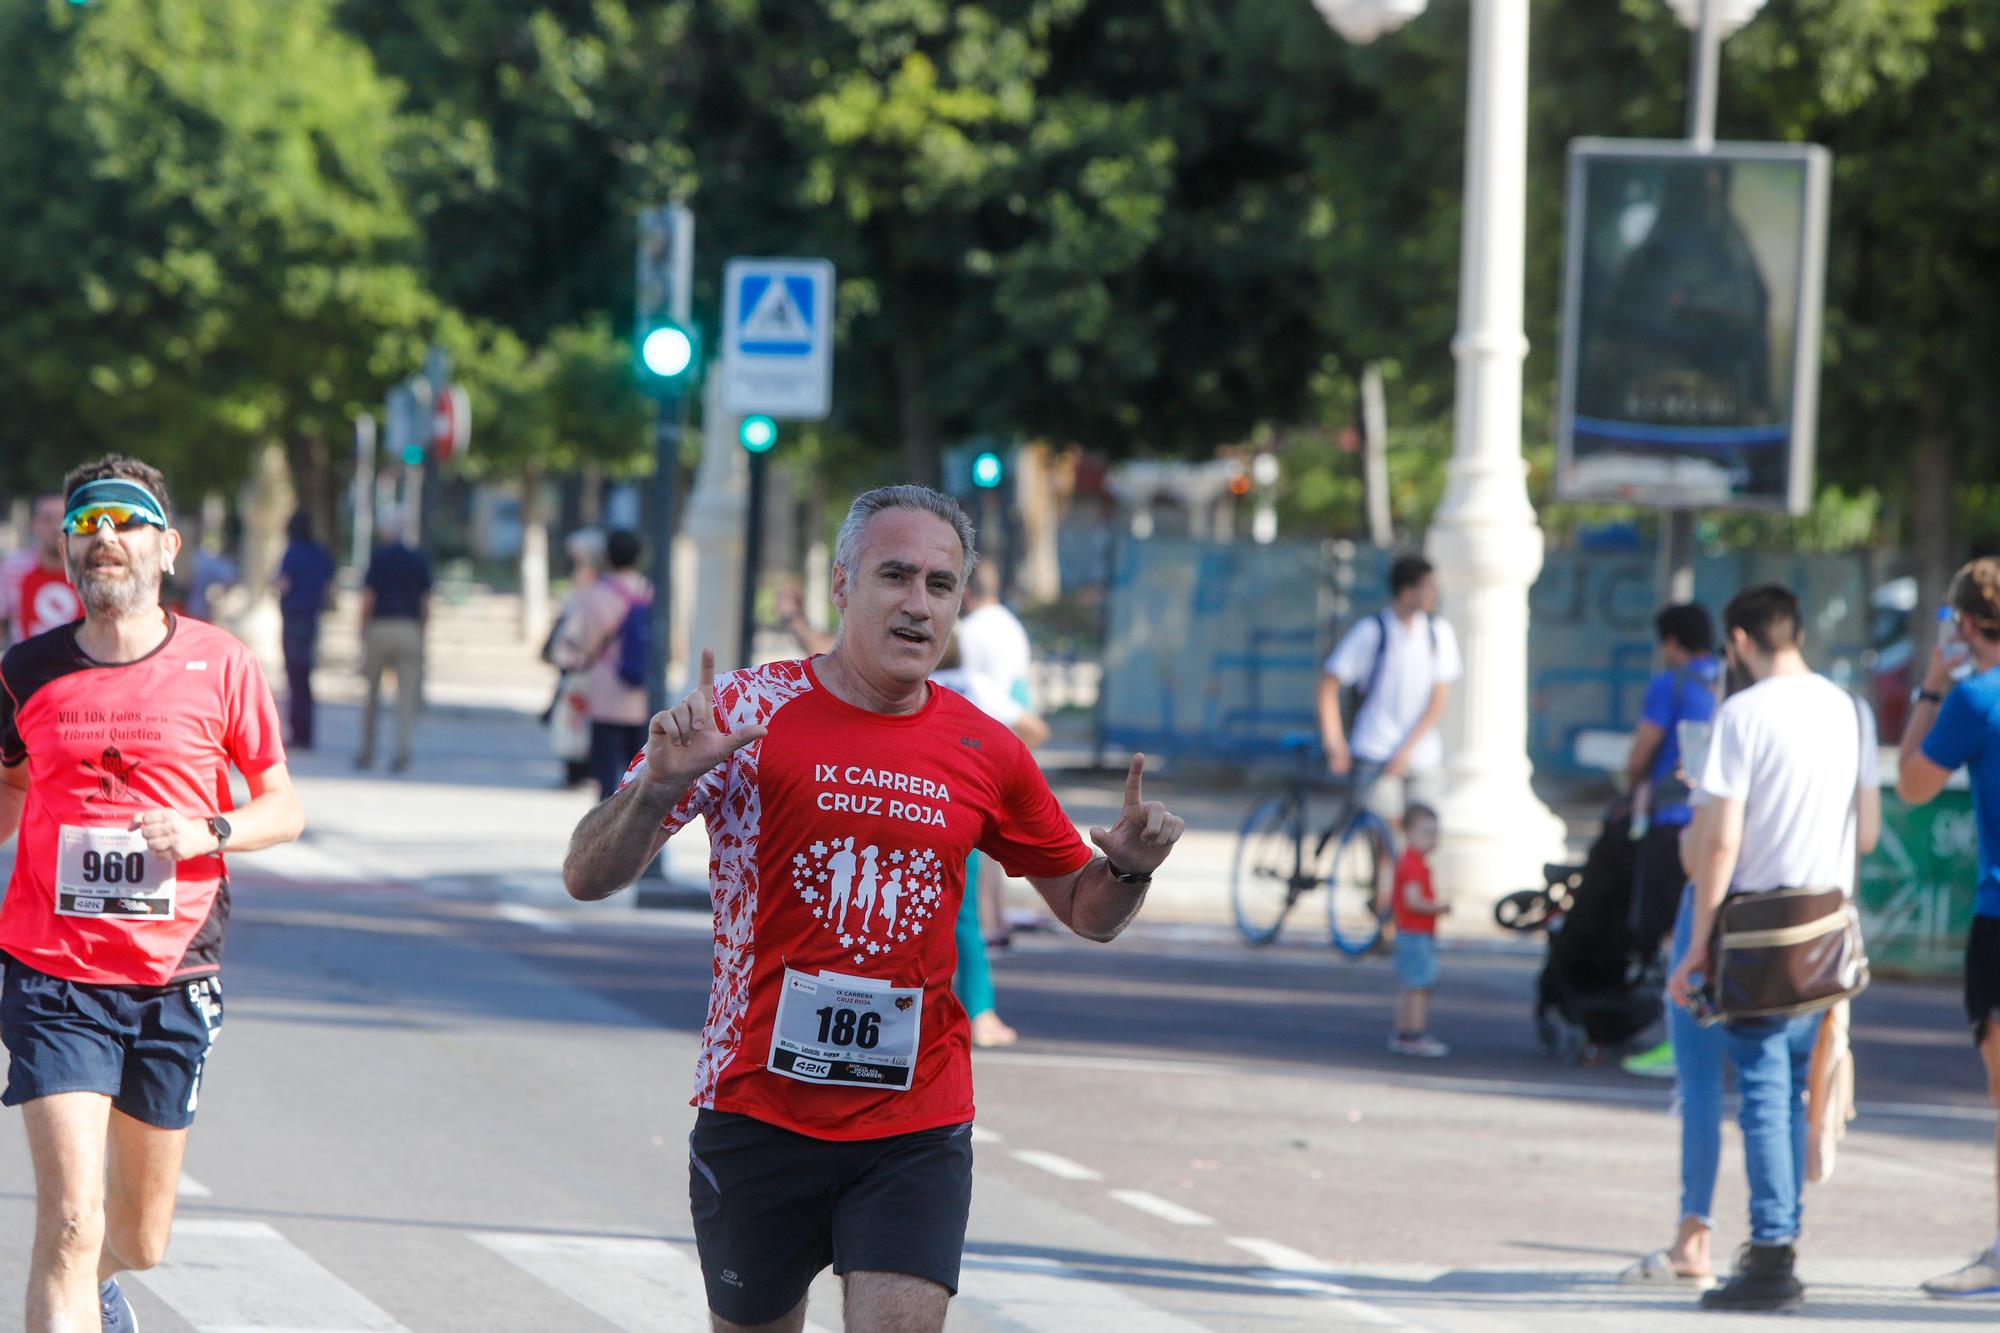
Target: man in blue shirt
{"points": [[1683, 690], [304, 575], [1952, 726], [395, 602]]}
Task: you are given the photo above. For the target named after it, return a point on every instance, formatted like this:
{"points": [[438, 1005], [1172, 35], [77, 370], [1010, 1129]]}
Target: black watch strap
{"points": [[1929, 697], [220, 828], [1126, 877]]}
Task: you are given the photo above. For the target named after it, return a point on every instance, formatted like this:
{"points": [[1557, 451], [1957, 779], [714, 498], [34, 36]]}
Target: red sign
{"points": [[451, 424]]}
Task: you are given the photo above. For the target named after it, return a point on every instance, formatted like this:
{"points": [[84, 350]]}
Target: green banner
{"points": [[1917, 886]]}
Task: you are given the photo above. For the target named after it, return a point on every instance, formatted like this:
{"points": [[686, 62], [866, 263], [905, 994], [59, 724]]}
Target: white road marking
{"points": [[1117, 1063], [642, 1286], [1028, 1293], [244, 1277], [190, 1188], [1164, 1209], [1054, 1165], [981, 1134], [1295, 1270], [539, 918]]}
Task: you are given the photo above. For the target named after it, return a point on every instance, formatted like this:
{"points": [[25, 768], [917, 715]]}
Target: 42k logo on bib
{"points": [[872, 897]]}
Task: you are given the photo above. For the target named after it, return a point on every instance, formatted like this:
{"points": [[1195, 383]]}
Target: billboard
{"points": [[1691, 324]]}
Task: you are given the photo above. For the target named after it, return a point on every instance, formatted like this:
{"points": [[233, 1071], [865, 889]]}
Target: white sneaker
{"points": [[1425, 1047], [1981, 1277]]}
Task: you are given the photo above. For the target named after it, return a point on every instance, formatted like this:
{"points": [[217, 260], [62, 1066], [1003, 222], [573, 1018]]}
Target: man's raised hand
{"points": [[1144, 833], [683, 743]]}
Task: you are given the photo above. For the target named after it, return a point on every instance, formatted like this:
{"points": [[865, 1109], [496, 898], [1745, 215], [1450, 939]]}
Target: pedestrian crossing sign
{"points": [[778, 338]]}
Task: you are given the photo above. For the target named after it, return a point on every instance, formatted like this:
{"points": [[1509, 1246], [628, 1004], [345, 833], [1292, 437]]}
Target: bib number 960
{"points": [[108, 873], [113, 867]]}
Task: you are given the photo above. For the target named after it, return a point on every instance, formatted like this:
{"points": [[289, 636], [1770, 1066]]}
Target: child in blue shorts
{"points": [[1417, 909]]}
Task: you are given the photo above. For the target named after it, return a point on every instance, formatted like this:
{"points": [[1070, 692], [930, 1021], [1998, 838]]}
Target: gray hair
{"points": [[587, 546], [847, 546]]}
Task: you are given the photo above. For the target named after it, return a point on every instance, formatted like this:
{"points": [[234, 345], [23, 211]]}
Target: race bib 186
{"points": [[110, 873], [849, 1031]]}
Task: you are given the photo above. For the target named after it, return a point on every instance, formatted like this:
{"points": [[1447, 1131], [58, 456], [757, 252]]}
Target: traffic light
{"points": [[757, 434], [668, 353], [987, 470]]}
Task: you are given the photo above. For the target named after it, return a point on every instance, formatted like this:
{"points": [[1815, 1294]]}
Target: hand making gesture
{"points": [[1144, 833], [684, 742]]}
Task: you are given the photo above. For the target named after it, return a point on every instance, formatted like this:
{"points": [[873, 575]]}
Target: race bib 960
{"points": [[111, 873]]}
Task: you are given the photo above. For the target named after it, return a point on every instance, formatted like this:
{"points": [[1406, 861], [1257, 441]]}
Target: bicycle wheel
{"points": [[1260, 885], [1357, 884], [1524, 910]]}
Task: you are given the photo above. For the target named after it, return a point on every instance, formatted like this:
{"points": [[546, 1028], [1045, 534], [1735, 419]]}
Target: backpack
{"points": [[1357, 695], [634, 639]]}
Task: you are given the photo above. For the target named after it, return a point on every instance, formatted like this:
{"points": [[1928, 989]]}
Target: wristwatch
{"points": [[1126, 877], [1926, 697], [220, 828]]}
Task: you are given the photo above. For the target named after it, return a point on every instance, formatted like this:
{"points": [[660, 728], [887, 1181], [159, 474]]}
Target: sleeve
{"points": [[1029, 834], [698, 801], [12, 748], [372, 580], [1450, 662], [1957, 736], [1355, 654], [1871, 750], [1726, 775], [255, 741], [1660, 703]]}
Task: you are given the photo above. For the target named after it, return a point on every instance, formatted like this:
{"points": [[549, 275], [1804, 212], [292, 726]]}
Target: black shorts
{"points": [[1982, 975], [772, 1208], [141, 1046]]}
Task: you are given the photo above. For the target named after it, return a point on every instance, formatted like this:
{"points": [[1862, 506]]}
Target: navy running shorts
{"points": [[772, 1208], [141, 1046]]}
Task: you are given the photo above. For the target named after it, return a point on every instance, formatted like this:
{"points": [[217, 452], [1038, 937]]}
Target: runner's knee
{"points": [[139, 1243], [72, 1229]]}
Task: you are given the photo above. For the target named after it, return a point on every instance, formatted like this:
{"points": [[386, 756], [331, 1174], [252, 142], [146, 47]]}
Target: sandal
{"points": [[1657, 1270]]}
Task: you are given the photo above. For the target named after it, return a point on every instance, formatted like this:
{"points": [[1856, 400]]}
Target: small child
{"points": [[1417, 910]]}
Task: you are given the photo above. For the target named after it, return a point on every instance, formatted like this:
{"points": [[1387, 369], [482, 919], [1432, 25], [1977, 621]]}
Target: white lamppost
{"points": [[1484, 538]]}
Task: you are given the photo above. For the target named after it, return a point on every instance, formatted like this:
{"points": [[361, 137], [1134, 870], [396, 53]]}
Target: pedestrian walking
{"points": [[305, 573], [1682, 691], [35, 591], [993, 647], [1787, 798], [608, 639], [1400, 663], [395, 608], [834, 1082], [568, 717], [1955, 726], [1417, 909], [112, 925]]}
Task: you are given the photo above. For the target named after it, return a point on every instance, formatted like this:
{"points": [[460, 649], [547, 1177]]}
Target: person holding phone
{"points": [[1952, 726]]}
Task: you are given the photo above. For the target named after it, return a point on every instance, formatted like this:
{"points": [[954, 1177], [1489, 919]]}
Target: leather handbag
{"points": [[1785, 952]]}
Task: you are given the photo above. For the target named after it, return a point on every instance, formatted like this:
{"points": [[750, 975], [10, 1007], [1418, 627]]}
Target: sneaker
{"points": [[1656, 1063], [1981, 1277], [1764, 1280], [114, 1309], [1425, 1047]]}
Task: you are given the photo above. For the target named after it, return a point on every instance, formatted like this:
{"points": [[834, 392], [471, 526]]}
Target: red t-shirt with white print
{"points": [[838, 845]]}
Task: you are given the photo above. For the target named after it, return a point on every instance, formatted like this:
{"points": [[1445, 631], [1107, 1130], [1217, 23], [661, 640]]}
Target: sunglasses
{"points": [[88, 519]]}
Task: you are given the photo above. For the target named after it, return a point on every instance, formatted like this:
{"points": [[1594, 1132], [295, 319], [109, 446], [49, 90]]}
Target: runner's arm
{"points": [[13, 798], [273, 816], [1090, 902], [617, 840]]}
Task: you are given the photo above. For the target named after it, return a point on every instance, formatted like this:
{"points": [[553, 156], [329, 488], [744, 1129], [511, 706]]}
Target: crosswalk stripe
{"points": [[1024, 1293], [638, 1285], [1054, 1165], [1164, 1209], [190, 1188], [244, 1277]]}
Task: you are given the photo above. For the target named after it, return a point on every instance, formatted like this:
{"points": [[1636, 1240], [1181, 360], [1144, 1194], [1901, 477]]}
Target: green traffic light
{"points": [[413, 454], [757, 434], [667, 351], [986, 470]]}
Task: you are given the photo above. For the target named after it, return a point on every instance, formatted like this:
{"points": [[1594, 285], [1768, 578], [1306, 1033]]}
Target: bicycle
{"points": [[1353, 858]]}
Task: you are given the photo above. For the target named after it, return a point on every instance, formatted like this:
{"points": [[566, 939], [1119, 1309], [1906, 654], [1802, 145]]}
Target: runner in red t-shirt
{"points": [[842, 796], [116, 739], [35, 593]]}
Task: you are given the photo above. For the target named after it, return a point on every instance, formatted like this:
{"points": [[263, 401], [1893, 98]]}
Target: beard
{"points": [[117, 588]]}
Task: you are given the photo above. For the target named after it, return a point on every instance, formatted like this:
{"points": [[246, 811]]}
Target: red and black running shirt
{"points": [[104, 742], [905, 798]]}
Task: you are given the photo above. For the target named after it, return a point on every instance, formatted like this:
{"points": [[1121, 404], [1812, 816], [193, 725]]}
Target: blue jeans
{"points": [[1773, 1057], [1698, 1058]]}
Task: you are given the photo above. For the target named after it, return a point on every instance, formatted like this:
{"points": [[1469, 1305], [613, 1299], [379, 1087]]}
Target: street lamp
{"points": [[1729, 15], [1484, 539]]}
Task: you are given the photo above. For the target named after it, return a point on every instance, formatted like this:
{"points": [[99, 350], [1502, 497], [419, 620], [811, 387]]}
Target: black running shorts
{"points": [[1982, 975], [772, 1208]]}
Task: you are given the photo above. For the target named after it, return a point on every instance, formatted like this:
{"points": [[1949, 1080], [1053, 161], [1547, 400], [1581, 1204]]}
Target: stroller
{"points": [[1601, 985]]}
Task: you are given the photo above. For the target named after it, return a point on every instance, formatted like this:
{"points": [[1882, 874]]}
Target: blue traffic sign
{"points": [[777, 355]]}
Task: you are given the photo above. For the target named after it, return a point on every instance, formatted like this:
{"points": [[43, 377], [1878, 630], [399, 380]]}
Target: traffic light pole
{"points": [[669, 417], [753, 559]]}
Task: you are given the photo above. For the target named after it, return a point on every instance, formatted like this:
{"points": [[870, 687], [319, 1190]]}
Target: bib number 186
{"points": [[844, 1027]]}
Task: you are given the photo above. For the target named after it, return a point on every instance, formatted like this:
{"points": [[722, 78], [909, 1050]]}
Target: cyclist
{"points": [[842, 796], [116, 736], [1401, 663]]}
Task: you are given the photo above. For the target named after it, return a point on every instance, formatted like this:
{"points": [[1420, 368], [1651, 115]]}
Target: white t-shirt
{"points": [[983, 692], [1786, 747], [992, 643], [1402, 688]]}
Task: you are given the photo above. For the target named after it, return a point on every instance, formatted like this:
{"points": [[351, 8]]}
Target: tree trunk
{"points": [[534, 555], [1934, 548], [315, 486], [922, 462]]}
